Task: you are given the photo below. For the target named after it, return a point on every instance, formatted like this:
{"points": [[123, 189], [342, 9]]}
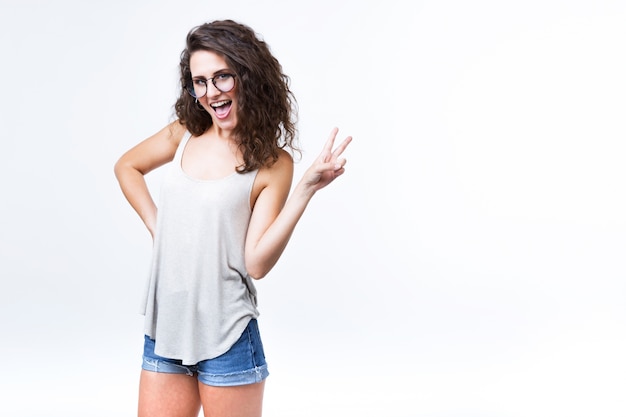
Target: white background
{"points": [[470, 263]]}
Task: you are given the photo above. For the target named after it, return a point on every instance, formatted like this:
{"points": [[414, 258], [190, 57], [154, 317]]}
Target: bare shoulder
{"points": [[154, 151], [281, 170], [276, 177], [285, 161], [174, 132]]}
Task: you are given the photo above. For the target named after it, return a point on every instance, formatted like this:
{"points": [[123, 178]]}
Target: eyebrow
{"points": [[218, 72]]}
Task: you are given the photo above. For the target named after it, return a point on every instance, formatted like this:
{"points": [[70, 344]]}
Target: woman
{"points": [[224, 218]]}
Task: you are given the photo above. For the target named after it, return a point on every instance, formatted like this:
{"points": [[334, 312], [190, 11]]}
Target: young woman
{"points": [[224, 218]]}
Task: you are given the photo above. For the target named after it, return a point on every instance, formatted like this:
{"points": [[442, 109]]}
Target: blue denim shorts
{"points": [[243, 364]]}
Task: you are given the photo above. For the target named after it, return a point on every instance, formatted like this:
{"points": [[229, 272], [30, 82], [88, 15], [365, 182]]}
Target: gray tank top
{"points": [[199, 297]]}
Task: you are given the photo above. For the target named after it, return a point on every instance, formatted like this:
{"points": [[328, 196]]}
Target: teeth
{"points": [[220, 103]]}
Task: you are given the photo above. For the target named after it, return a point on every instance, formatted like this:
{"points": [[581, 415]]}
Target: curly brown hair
{"points": [[267, 108]]}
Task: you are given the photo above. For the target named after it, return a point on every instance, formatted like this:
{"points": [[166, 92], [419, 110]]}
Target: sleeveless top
{"points": [[199, 297]]}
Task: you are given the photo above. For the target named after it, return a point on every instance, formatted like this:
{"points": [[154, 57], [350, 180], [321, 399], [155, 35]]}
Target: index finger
{"points": [[328, 147]]}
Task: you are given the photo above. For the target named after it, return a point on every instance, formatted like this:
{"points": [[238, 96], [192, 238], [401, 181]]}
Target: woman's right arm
{"points": [[130, 169]]}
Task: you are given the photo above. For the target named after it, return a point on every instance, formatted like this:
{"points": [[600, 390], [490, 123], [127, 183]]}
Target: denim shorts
{"points": [[243, 364]]}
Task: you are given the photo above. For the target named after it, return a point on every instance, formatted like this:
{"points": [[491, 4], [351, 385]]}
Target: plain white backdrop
{"points": [[470, 263]]}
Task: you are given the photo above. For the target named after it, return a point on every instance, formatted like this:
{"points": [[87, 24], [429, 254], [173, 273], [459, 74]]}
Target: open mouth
{"points": [[222, 108]]}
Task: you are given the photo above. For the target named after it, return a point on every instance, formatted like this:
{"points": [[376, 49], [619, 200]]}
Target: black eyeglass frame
{"points": [[191, 90]]}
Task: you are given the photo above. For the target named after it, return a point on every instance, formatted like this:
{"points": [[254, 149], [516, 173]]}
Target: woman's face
{"points": [[208, 72]]}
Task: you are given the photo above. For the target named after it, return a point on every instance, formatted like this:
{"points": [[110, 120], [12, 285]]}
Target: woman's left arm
{"points": [[274, 217]]}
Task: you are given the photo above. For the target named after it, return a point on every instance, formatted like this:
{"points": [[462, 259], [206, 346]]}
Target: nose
{"points": [[212, 90]]}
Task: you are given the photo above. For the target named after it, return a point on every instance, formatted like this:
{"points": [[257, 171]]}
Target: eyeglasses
{"points": [[198, 87]]}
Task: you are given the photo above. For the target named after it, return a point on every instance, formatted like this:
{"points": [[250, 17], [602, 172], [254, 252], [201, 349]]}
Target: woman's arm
{"points": [[274, 220], [130, 169]]}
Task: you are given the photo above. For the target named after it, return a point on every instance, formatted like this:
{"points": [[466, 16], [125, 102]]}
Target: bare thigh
{"points": [[168, 395], [239, 401]]}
